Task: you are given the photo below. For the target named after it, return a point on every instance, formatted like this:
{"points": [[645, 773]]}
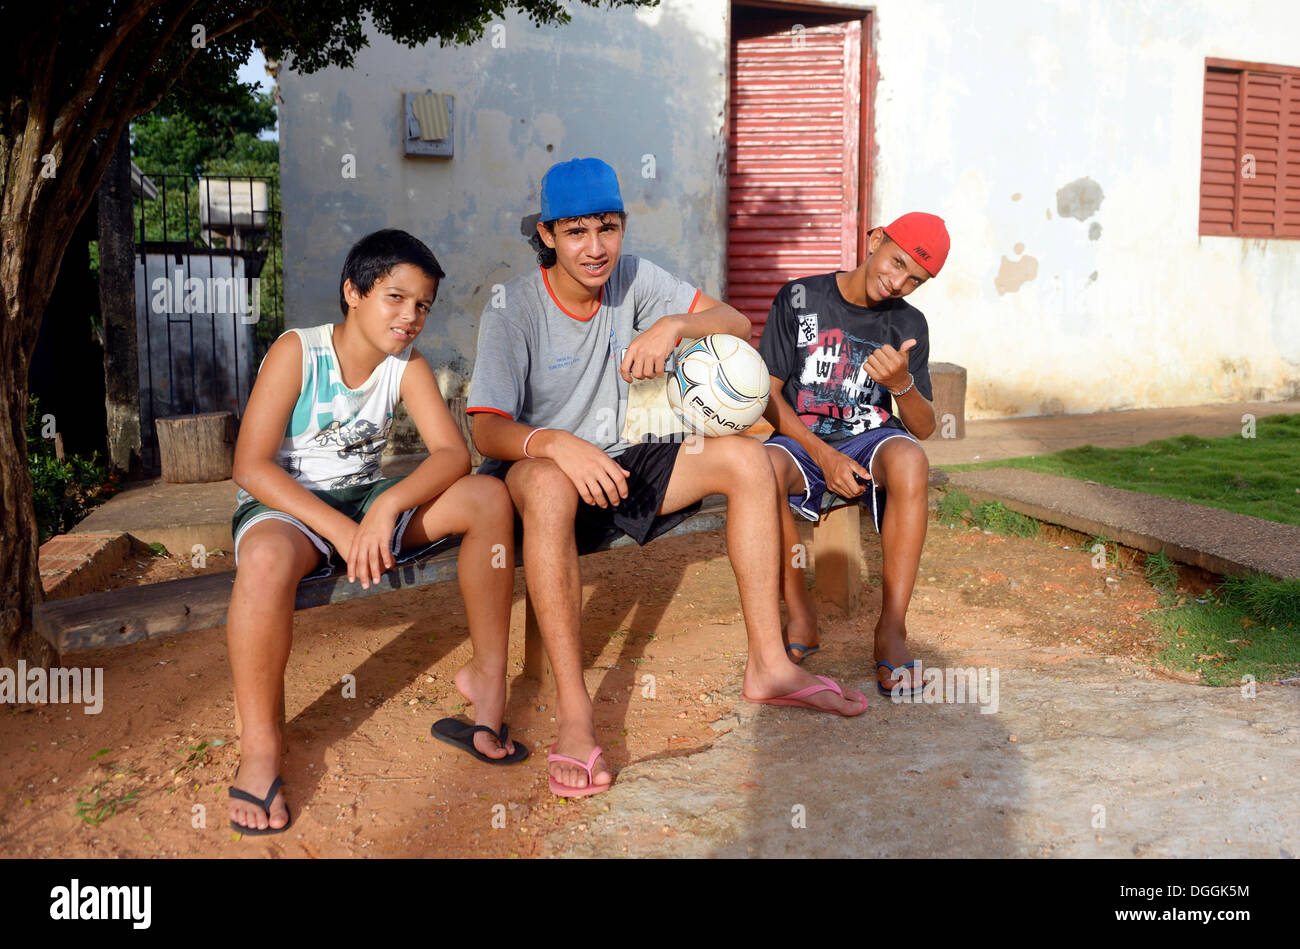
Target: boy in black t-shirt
{"points": [[841, 347]]}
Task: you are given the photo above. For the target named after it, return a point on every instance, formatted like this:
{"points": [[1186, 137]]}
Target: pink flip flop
{"points": [[797, 698], [563, 790]]}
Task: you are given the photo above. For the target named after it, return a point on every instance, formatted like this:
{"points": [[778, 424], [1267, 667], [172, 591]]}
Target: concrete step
{"points": [[1218, 541]]}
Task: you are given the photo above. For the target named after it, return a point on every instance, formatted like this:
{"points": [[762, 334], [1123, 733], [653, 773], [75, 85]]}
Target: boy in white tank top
{"points": [[313, 500]]}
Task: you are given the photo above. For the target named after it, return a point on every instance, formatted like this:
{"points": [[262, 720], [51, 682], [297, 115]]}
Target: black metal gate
{"points": [[209, 293]]}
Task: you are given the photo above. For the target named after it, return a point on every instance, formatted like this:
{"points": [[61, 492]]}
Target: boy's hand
{"points": [[888, 366], [839, 469], [371, 552], [647, 353], [600, 479]]}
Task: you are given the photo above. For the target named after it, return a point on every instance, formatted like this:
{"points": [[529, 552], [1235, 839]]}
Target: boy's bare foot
{"points": [[892, 648], [785, 678], [486, 691], [259, 764], [577, 741]]}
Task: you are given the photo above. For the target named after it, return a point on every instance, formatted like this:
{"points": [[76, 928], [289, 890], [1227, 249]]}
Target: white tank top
{"points": [[335, 435]]}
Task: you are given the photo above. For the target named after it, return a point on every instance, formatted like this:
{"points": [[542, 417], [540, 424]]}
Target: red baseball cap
{"points": [[924, 237]]}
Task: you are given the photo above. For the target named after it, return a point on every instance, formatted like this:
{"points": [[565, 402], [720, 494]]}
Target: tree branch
{"points": [[90, 80]]}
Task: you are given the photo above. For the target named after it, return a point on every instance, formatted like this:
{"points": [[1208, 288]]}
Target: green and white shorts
{"points": [[354, 501]]}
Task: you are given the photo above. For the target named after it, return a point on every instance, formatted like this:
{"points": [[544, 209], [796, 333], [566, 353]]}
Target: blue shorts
{"points": [[862, 449]]}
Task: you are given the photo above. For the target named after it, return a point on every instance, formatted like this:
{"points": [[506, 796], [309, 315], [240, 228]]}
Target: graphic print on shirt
{"points": [[836, 385], [807, 330], [362, 440]]}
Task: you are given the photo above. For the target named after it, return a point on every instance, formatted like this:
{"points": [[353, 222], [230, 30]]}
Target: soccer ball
{"points": [[719, 386]]}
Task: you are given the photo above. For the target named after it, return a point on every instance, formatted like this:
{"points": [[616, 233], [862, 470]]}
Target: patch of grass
{"points": [[1266, 600], [997, 517], [952, 506], [1256, 476], [1249, 626], [1160, 572], [955, 510]]}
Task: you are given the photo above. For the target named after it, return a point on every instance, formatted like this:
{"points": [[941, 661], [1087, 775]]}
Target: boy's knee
{"points": [[787, 473], [539, 487], [745, 457], [489, 496], [268, 561], [907, 468]]}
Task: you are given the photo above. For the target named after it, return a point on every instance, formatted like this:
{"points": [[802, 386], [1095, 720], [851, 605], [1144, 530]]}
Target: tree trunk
{"points": [[117, 304], [34, 234], [19, 535]]}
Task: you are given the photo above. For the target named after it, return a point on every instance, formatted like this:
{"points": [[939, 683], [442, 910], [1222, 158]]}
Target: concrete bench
{"points": [[135, 614]]}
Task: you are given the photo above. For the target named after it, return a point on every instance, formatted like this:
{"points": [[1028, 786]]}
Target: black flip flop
{"points": [[264, 804], [461, 735]]}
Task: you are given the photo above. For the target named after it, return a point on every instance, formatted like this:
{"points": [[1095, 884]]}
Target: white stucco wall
{"points": [[983, 112], [617, 85]]}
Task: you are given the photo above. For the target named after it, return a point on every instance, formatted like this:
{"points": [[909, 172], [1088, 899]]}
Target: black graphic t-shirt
{"points": [[818, 343]]}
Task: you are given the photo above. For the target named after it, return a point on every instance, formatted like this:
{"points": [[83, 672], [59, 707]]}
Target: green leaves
{"points": [[63, 489]]}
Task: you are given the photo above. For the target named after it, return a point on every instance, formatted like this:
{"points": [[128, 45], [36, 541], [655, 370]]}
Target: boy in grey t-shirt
{"points": [[549, 400]]}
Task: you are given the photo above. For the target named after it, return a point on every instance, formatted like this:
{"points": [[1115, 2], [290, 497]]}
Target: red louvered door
{"points": [[792, 164]]}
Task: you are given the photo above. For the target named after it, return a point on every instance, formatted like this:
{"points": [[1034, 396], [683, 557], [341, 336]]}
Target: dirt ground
{"points": [[364, 777]]}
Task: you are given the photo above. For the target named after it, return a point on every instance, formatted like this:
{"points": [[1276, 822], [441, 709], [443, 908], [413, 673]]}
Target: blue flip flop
{"points": [[807, 651], [264, 804], [916, 688]]}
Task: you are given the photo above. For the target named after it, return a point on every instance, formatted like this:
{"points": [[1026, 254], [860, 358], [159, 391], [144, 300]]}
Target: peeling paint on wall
{"points": [[1012, 275], [1079, 199], [1094, 231]]}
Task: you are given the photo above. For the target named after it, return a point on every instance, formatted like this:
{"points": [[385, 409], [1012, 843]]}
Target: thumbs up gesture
{"points": [[888, 366]]}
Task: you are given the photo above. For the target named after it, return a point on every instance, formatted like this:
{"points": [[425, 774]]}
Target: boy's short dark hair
{"points": [[376, 254], [546, 255]]}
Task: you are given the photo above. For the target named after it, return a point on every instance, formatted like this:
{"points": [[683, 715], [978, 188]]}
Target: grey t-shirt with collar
{"points": [[540, 365]]}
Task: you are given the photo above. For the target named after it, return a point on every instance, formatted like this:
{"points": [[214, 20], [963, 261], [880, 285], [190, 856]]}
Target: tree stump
{"points": [[949, 383], [194, 448]]}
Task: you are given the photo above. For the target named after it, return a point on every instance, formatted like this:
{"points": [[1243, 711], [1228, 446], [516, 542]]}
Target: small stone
{"points": [[1012, 738], [413, 702], [541, 708]]}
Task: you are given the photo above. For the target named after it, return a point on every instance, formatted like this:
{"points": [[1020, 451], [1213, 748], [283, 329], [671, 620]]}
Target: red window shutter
{"points": [[1219, 155], [792, 164], [1250, 150], [1289, 192], [1261, 139]]}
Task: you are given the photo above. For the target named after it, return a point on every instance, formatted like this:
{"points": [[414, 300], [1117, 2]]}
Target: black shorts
{"points": [[651, 466]]}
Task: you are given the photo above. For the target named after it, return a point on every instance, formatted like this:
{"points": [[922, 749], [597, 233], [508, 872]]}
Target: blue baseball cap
{"points": [[579, 187]]}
